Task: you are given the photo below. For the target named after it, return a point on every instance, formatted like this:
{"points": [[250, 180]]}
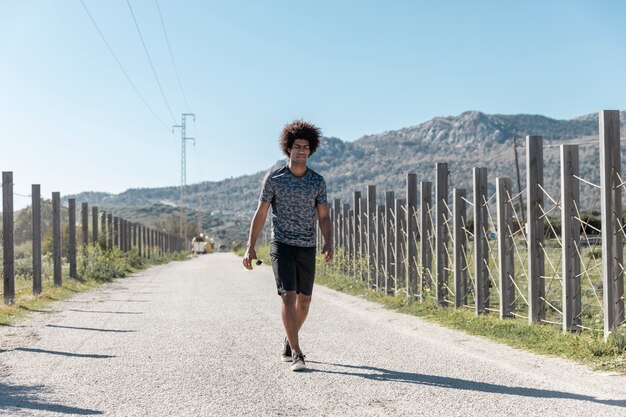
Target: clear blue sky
{"points": [[71, 120]]}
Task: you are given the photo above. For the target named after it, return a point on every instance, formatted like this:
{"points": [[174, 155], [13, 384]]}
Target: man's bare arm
{"points": [[256, 226]]}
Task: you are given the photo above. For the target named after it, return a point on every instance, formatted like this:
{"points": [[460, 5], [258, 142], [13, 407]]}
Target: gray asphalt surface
{"points": [[203, 338]]}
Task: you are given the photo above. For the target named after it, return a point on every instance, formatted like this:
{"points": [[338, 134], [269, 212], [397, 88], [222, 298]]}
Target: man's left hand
{"points": [[328, 253]]}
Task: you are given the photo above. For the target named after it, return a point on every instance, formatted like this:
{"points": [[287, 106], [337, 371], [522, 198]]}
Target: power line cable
{"points": [[122, 67], [169, 48], [156, 77]]}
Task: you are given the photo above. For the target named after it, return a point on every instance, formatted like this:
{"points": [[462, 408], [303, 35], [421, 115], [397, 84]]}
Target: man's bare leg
{"points": [[302, 308], [290, 319], [294, 305]]}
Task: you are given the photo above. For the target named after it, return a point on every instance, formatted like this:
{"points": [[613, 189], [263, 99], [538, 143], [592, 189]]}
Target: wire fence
{"points": [[45, 242], [536, 255]]}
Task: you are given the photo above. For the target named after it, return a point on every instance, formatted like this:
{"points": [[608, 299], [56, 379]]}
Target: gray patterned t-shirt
{"points": [[294, 201]]}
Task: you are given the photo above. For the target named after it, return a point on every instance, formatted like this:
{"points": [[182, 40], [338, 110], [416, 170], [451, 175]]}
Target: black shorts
{"points": [[294, 268]]}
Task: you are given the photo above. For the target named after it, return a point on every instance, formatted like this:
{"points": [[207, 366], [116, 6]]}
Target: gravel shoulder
{"points": [[203, 338]]}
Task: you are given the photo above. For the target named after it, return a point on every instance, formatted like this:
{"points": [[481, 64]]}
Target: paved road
{"points": [[202, 338]]}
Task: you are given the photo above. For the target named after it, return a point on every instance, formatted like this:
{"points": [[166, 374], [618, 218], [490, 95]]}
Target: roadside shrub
{"points": [[102, 265], [133, 259]]}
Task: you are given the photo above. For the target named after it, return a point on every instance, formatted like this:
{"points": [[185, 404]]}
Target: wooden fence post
{"points": [[337, 222], [570, 234], [56, 238], [85, 231], [109, 231], [426, 232], [481, 246], [350, 240], [103, 236], [441, 210], [331, 214], [94, 225], [139, 240], [460, 247], [318, 235], [611, 207], [114, 232], [412, 234], [400, 245], [504, 187], [128, 232], [8, 249], [345, 219], [356, 234], [146, 241], [121, 234], [129, 235], [341, 229], [380, 248], [389, 242], [371, 236], [124, 234], [36, 216], [84, 211], [363, 251], [535, 204], [72, 236], [153, 251]]}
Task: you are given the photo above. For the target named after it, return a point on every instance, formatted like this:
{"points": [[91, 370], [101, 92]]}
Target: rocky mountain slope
{"points": [[472, 139]]}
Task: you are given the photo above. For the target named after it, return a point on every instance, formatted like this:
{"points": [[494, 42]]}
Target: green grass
{"points": [[587, 347], [95, 267], [26, 302]]}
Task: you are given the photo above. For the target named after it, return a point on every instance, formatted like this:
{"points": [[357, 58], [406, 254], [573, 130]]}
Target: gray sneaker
{"points": [[286, 355], [298, 362]]}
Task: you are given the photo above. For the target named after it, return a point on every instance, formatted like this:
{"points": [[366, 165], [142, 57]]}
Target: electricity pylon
{"points": [[183, 169]]}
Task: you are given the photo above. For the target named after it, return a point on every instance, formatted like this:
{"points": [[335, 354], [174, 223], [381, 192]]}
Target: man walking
{"points": [[296, 195]]}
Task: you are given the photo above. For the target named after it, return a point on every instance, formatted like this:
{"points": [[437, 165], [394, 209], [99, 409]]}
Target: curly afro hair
{"points": [[299, 129]]}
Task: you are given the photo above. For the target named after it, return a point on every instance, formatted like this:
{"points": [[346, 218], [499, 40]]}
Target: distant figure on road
{"points": [[296, 195]]}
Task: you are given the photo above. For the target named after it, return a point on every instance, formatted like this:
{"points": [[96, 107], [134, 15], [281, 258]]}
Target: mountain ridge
{"points": [[470, 139]]}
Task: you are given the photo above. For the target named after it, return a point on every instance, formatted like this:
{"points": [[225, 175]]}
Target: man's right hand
{"points": [[248, 257]]}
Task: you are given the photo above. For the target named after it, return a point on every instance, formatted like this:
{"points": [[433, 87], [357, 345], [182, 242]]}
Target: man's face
{"points": [[300, 151]]}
